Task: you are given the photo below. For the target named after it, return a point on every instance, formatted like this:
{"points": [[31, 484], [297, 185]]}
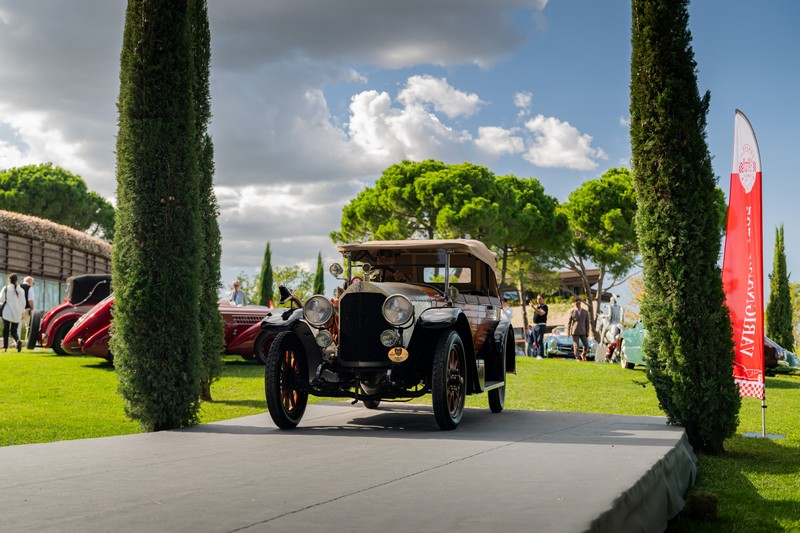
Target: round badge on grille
{"points": [[398, 354]]}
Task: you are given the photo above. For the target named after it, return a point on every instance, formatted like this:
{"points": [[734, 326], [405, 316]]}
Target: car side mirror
{"points": [[285, 294]]}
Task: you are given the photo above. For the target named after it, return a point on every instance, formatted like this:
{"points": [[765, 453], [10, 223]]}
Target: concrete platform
{"points": [[347, 468]]}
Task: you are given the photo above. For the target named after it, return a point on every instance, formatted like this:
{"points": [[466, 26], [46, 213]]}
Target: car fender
{"points": [[281, 319], [504, 331], [56, 322], [97, 344], [243, 343], [439, 317]]}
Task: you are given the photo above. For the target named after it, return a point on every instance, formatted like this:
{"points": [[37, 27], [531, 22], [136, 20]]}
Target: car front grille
{"points": [[360, 325]]}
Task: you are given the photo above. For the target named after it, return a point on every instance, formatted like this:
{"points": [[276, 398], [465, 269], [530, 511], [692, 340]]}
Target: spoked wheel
{"points": [[449, 386], [285, 380], [497, 397]]}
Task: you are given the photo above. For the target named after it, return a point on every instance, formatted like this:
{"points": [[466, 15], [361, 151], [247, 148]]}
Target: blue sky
{"points": [[312, 99]]}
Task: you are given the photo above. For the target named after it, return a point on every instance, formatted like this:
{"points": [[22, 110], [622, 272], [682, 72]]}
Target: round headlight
{"points": [[318, 311], [324, 339], [389, 337], [397, 310]]}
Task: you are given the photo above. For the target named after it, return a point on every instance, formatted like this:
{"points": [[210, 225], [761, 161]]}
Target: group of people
{"points": [[577, 327], [16, 301]]}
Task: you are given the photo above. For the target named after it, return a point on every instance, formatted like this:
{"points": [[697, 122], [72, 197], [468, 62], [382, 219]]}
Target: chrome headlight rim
{"points": [[398, 310], [318, 311]]}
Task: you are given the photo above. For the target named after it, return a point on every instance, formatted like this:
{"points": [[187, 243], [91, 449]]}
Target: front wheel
{"points": [[58, 338], [449, 383], [285, 380]]}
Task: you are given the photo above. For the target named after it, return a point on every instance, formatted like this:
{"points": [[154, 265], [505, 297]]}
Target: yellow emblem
{"points": [[398, 354]]}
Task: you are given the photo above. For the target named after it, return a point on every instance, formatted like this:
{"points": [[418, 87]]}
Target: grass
{"points": [[44, 398]]}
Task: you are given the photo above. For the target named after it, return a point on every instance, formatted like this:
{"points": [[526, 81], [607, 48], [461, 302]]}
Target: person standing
{"points": [[12, 299], [236, 296], [578, 327], [30, 298], [507, 312], [540, 311], [529, 344]]}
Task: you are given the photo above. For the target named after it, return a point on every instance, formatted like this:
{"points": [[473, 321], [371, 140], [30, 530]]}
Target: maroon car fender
{"points": [[244, 343], [56, 322], [97, 344]]}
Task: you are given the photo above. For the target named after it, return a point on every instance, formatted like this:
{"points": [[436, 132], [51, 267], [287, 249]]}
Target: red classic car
{"points": [[83, 292], [241, 325]]}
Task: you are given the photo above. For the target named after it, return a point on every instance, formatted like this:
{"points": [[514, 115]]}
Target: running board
{"points": [[493, 385]]}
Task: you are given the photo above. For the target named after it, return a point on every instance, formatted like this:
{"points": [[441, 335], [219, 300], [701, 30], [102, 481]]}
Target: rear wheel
{"points": [[497, 397], [33, 329], [285, 380], [449, 383], [59, 335]]}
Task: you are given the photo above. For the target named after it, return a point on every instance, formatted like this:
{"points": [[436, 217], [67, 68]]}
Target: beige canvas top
{"points": [[470, 246]]}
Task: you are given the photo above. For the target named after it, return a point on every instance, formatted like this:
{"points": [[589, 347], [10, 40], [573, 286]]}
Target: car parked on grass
{"points": [[91, 335], [423, 317], [630, 346], [558, 343], [83, 292]]}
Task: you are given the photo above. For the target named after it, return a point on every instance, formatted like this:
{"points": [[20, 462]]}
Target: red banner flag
{"points": [[743, 264]]}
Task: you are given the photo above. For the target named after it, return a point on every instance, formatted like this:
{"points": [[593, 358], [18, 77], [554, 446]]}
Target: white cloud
{"points": [[557, 144], [421, 90], [498, 141], [625, 122], [523, 101]]}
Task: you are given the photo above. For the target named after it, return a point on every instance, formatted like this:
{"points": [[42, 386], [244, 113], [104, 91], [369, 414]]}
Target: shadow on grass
{"points": [[245, 403], [741, 507], [775, 383]]}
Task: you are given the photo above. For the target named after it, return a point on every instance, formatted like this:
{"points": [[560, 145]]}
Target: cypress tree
{"points": [[689, 346], [211, 331], [319, 278], [156, 334], [779, 308], [265, 283]]}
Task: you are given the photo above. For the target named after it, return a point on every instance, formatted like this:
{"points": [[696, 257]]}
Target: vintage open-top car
{"points": [[422, 317], [83, 292]]}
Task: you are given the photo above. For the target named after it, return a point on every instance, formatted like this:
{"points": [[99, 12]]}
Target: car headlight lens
{"points": [[324, 339], [389, 338], [397, 310], [318, 311]]}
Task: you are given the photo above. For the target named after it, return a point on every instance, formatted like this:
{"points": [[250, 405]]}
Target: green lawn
{"points": [[45, 398]]}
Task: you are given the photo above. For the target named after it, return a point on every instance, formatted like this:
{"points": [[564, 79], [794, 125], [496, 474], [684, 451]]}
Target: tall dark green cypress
{"points": [[319, 278], [156, 334], [211, 332], [779, 308], [265, 282], [689, 347]]}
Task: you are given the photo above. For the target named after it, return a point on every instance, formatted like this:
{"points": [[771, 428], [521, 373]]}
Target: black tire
{"points": [[285, 380], [59, 335], [261, 347], [449, 383], [33, 330], [497, 397], [372, 404]]}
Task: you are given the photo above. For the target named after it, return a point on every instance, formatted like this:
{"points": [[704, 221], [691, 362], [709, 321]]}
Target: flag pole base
{"points": [[775, 436]]}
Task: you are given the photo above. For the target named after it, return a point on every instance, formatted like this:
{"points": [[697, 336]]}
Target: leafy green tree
{"points": [[689, 345], [50, 192], [794, 291], [779, 309], [319, 277], [211, 332], [156, 254], [266, 287], [296, 278], [601, 215], [425, 199]]}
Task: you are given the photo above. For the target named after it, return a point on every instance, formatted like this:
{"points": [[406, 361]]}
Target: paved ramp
{"points": [[347, 468]]}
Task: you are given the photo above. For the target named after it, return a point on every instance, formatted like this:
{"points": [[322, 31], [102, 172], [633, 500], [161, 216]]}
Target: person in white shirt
{"points": [[12, 299]]}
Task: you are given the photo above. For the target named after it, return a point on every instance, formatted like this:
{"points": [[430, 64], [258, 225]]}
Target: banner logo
{"points": [[747, 168]]}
